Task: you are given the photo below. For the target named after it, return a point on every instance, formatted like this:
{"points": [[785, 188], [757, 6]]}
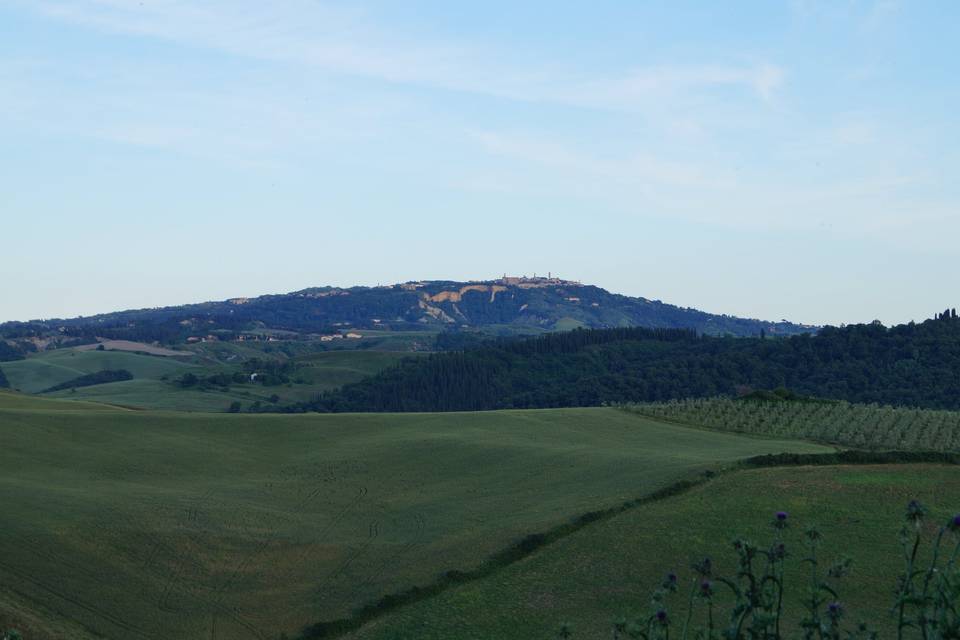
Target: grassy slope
{"points": [[158, 395], [49, 368], [332, 369], [146, 525], [323, 371], [609, 569], [10, 400]]}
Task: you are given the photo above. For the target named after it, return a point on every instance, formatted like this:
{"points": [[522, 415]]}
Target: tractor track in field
{"points": [[303, 555], [417, 538], [358, 552], [76, 602], [171, 585], [220, 591], [175, 583]]}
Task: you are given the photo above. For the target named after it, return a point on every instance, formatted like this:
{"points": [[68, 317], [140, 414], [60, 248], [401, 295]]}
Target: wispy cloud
{"points": [[325, 43], [337, 41], [883, 204], [762, 79], [642, 171]]}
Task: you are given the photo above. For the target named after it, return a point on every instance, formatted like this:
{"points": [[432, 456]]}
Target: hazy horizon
{"points": [[767, 160]]}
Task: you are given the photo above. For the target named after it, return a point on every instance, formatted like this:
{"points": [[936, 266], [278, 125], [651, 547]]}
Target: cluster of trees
{"points": [[269, 373], [213, 381], [9, 352], [90, 379], [907, 365], [4, 383]]}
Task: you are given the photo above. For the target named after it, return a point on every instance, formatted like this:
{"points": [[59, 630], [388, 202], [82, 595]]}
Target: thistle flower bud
{"points": [[706, 589], [834, 610], [954, 524], [915, 512]]}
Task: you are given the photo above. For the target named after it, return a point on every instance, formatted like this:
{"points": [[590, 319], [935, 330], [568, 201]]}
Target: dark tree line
{"points": [[9, 353], [91, 379], [910, 365], [4, 383]]}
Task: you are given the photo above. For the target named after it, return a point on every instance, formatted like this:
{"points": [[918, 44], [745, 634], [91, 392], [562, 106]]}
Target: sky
{"points": [[793, 159]]}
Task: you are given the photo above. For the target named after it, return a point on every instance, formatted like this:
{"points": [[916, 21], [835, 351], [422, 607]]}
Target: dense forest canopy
{"points": [[9, 352], [910, 365]]}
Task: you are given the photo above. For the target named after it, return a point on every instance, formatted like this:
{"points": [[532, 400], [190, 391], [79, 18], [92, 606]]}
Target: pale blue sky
{"points": [[779, 160]]}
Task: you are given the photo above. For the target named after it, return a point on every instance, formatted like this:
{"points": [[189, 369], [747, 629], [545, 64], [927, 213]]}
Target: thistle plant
{"points": [[928, 595], [749, 603]]}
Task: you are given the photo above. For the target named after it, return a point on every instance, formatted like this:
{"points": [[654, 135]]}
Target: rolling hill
{"points": [[44, 370], [171, 525], [87, 373], [505, 306]]}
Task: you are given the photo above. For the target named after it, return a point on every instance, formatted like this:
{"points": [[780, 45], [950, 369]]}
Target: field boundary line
{"points": [[533, 542]]}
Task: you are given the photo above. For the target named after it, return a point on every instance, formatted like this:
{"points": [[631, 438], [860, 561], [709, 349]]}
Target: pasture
{"points": [[142, 524], [332, 369], [46, 369], [609, 569], [142, 347], [159, 395], [153, 386]]}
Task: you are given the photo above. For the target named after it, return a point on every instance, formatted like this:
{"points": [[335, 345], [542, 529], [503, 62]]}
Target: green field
{"points": [[332, 369], [11, 401], [49, 368], [140, 524], [607, 570], [153, 384], [156, 394]]}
